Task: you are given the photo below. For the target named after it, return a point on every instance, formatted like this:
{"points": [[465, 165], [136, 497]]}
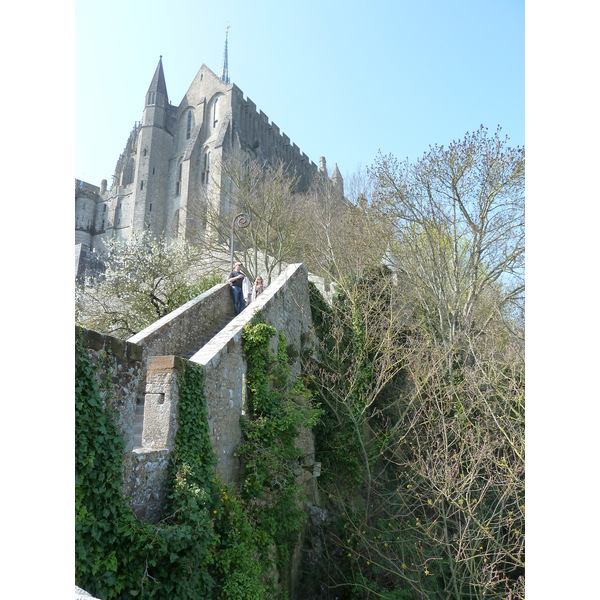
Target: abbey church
{"points": [[170, 164]]}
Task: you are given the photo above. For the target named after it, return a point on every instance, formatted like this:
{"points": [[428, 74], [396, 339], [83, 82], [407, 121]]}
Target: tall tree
{"points": [[458, 213]]}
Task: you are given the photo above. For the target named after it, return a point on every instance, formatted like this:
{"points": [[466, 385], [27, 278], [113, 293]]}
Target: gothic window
{"points": [[216, 112], [141, 185], [128, 172], [206, 167], [151, 97], [178, 181], [188, 130]]}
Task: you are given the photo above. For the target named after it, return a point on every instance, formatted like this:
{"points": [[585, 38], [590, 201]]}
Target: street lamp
{"points": [[241, 220]]}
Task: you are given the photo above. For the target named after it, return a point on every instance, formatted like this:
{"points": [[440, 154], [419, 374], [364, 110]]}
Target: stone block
{"points": [[164, 363], [114, 346]]}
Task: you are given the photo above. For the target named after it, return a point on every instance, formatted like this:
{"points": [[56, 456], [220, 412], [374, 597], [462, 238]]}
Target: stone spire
{"points": [[225, 69], [158, 85], [337, 180]]}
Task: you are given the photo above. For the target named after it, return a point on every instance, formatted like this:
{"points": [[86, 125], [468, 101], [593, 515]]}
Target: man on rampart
{"points": [[235, 280]]}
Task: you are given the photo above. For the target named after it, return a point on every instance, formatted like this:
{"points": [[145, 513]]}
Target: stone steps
{"points": [[138, 425]]}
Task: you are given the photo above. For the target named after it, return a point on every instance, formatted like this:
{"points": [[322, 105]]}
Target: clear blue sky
{"points": [[343, 79]]}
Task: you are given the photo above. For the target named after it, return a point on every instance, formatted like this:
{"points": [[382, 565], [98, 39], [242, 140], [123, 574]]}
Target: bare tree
{"points": [[345, 237], [267, 193], [459, 220], [422, 374]]}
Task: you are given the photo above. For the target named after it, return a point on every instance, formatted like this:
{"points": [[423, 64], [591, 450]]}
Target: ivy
{"points": [[211, 544], [118, 556], [279, 405]]}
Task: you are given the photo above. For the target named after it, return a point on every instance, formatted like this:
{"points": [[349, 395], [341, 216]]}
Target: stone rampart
{"points": [[150, 360], [185, 329], [283, 305]]}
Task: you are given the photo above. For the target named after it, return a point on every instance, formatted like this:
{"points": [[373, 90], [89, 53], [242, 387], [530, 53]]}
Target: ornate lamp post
{"points": [[241, 220]]}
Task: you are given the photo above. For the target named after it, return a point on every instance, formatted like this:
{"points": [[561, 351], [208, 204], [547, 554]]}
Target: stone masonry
{"points": [[148, 365]]}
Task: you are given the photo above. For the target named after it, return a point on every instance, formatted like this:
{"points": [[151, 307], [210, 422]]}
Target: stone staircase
{"points": [[139, 409]]}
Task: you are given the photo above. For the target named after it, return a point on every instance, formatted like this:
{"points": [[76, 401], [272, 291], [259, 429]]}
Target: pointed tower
{"points": [[153, 152], [157, 99], [225, 69], [338, 182]]}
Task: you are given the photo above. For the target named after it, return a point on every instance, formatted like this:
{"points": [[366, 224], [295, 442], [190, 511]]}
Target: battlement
{"points": [[255, 121]]}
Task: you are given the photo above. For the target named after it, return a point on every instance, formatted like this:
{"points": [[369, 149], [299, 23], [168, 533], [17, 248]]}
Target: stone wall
{"points": [[283, 305], [120, 362], [185, 329], [153, 365]]}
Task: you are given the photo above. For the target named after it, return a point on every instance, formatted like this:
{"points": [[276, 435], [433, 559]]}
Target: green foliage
{"points": [[211, 544], [204, 548], [279, 405], [118, 556]]}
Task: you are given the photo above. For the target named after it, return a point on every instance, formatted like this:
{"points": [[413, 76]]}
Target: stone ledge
{"points": [[164, 363], [92, 340]]}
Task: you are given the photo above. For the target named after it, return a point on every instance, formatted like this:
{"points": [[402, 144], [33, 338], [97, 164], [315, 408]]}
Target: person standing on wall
{"points": [[235, 281], [257, 289]]}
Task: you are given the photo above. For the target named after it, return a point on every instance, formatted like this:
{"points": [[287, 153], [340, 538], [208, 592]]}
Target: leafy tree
{"points": [[145, 279]]}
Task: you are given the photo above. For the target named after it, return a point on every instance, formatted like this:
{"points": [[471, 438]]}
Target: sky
{"points": [[343, 79]]}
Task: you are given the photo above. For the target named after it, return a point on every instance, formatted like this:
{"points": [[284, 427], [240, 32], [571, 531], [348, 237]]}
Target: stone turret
{"points": [[337, 180], [157, 99], [322, 166]]}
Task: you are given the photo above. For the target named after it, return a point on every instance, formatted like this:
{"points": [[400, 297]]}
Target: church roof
{"points": [[158, 83]]}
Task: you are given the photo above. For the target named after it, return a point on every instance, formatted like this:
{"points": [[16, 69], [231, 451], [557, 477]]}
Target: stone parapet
{"points": [[284, 305], [186, 327]]}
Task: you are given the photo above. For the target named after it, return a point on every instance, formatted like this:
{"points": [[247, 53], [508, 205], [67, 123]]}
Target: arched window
{"points": [[188, 129], [178, 180], [128, 172], [206, 167], [216, 112]]}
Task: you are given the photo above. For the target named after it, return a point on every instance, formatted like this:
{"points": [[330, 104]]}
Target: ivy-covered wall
{"points": [[211, 527], [119, 372], [211, 541]]}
